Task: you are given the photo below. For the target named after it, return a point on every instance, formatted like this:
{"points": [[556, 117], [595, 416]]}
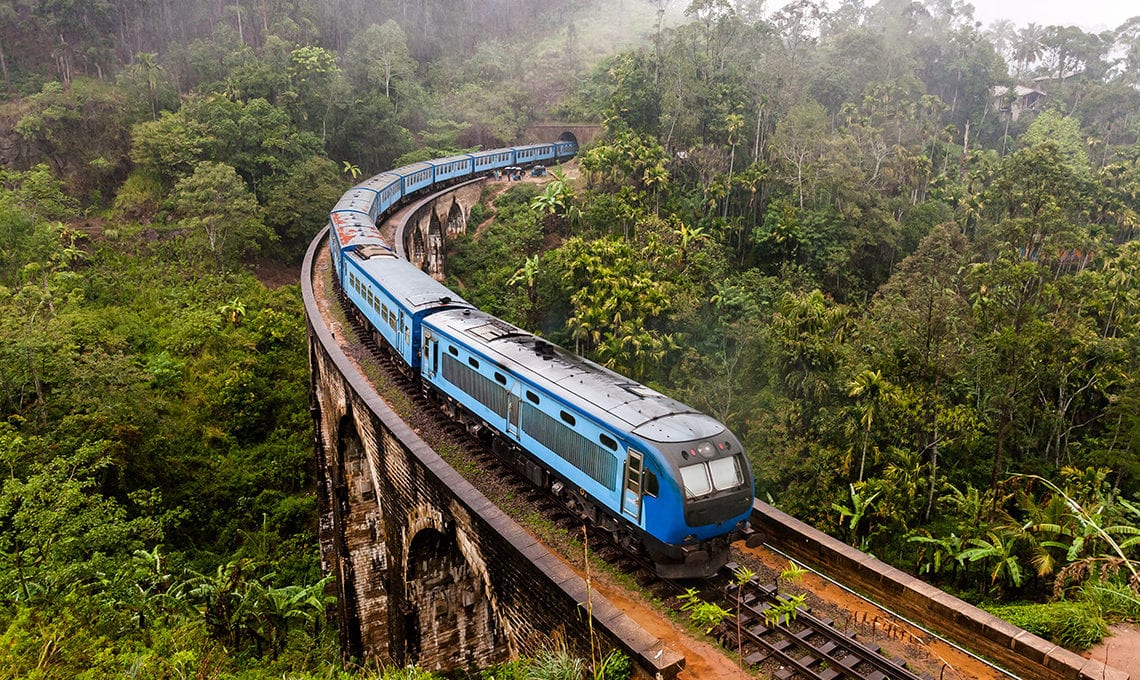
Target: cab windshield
{"points": [[701, 479]]}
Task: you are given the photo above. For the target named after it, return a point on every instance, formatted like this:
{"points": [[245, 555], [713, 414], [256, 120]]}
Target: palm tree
{"points": [[689, 237], [527, 275], [875, 391], [906, 478], [655, 177], [809, 332], [1028, 46], [734, 122], [1087, 526], [146, 64], [1000, 552], [856, 511], [1051, 529], [1003, 34]]}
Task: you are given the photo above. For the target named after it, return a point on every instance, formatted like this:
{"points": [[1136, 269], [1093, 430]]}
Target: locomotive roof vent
{"points": [[445, 300]]}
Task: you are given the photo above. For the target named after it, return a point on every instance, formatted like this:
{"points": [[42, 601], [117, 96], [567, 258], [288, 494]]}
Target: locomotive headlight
{"points": [[706, 449]]}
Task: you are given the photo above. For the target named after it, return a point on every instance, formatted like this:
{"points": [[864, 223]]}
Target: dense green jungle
{"points": [[895, 250]]}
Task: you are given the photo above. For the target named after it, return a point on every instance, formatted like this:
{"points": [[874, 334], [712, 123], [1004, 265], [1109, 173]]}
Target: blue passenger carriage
{"points": [[415, 177], [494, 159], [452, 168], [354, 232], [565, 148], [388, 189], [361, 201], [394, 296], [533, 153]]}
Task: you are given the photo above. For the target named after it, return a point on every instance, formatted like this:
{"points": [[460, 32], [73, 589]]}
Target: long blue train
{"points": [[665, 480]]}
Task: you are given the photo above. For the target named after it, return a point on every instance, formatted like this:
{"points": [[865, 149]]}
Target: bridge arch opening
{"points": [[445, 608], [456, 220], [419, 248], [434, 245], [349, 462]]}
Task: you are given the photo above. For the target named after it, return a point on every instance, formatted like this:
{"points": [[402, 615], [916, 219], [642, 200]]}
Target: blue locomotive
{"points": [[663, 479]]}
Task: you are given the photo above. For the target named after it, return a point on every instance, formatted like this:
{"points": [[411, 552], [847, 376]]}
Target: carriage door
{"points": [[430, 365], [513, 411], [631, 495], [401, 343]]}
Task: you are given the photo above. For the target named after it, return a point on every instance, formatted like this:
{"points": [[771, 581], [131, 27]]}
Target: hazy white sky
{"points": [[1090, 15]]}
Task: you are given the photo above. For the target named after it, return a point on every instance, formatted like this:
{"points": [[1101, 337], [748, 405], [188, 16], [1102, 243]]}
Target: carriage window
{"points": [[502, 380], [608, 442], [452, 350], [725, 473], [567, 418], [532, 396], [473, 361]]}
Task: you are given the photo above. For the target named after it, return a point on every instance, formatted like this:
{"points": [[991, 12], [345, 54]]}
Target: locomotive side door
{"points": [[631, 489]]}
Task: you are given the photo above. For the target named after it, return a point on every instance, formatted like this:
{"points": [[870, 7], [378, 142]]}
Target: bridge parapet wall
{"points": [[1011, 647], [428, 570]]}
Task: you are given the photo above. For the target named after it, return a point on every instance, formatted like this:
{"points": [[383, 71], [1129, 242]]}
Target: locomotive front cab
{"points": [[706, 495], [716, 481]]}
